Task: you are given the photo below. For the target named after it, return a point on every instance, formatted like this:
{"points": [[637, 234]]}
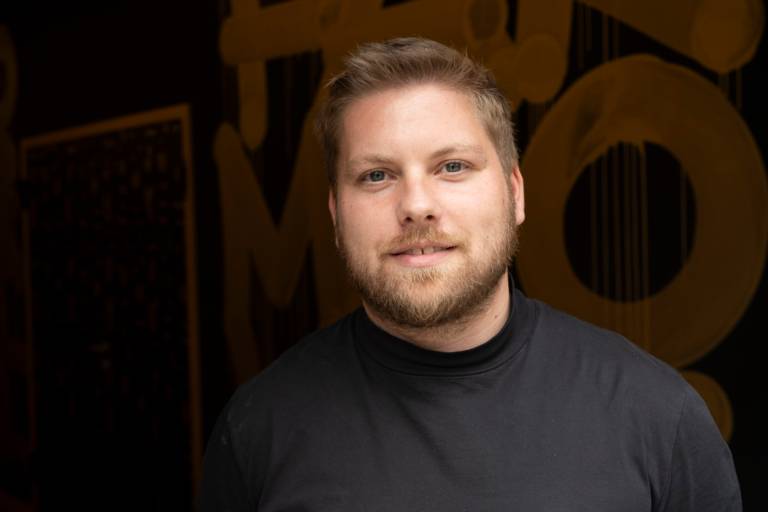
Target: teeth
{"points": [[426, 250]]}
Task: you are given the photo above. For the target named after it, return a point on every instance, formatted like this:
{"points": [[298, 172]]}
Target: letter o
{"points": [[643, 99]]}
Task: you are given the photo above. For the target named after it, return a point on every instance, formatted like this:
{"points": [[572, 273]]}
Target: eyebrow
{"points": [[459, 148], [370, 159], [378, 159]]}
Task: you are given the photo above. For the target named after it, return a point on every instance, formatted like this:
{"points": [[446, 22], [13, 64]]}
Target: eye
{"points": [[375, 176], [454, 166]]}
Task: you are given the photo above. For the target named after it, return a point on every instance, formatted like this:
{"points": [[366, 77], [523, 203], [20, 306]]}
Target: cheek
{"points": [[483, 204], [360, 225], [484, 215], [498, 199]]}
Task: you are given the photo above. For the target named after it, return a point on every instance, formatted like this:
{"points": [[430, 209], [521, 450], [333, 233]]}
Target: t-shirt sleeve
{"points": [[703, 477], [223, 488]]}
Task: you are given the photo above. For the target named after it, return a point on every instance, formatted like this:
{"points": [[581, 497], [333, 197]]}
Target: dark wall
{"points": [[84, 62]]}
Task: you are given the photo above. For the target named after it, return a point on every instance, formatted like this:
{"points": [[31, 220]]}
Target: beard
{"points": [[440, 295]]}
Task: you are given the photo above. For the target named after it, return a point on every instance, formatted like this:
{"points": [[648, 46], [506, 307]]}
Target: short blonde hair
{"points": [[405, 61]]}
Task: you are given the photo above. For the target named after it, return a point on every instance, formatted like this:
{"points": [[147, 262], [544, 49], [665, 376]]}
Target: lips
{"points": [[422, 255], [415, 251], [421, 248]]}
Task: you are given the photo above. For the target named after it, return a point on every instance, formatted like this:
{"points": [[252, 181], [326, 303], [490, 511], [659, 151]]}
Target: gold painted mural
{"points": [[634, 101], [692, 120]]}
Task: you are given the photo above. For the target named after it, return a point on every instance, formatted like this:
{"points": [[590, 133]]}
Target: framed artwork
{"points": [[109, 247]]}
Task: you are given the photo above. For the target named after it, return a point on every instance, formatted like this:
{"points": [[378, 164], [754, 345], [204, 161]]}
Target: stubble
{"points": [[439, 295]]}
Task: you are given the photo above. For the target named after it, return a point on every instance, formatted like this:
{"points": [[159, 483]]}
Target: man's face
{"points": [[425, 217]]}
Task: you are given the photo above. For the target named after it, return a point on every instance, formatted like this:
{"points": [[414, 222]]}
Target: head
{"points": [[407, 61], [426, 194]]}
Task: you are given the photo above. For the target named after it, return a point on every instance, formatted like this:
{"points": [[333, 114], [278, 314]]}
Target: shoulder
{"points": [[296, 382], [628, 394], [608, 365], [267, 409], [576, 339]]}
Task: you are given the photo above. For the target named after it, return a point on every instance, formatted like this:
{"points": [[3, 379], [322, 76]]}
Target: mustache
{"points": [[421, 234]]}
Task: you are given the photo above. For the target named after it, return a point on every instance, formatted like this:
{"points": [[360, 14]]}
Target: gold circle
{"points": [[485, 20], [540, 65], [633, 100], [725, 35]]}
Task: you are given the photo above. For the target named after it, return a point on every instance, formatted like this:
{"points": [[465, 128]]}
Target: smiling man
{"points": [[449, 390], [426, 215]]}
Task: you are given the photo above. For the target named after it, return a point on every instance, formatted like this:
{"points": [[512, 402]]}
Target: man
{"points": [[449, 390]]}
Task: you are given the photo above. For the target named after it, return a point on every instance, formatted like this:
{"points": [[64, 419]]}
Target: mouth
{"points": [[417, 251], [424, 254]]}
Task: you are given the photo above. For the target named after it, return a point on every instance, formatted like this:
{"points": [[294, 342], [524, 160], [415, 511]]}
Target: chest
{"points": [[477, 453]]}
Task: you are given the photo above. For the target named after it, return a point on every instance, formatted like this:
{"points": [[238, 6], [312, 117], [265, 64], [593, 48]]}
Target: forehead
{"points": [[413, 115]]}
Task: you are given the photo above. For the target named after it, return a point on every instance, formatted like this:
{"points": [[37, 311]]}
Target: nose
{"points": [[417, 203]]}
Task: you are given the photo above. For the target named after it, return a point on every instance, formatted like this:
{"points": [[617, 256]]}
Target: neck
{"points": [[465, 333]]}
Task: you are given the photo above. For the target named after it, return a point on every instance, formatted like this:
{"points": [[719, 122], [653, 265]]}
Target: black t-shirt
{"points": [[552, 414]]}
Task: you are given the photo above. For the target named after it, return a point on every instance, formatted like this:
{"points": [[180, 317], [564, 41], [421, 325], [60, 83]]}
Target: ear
{"points": [[332, 205], [517, 188], [332, 210]]}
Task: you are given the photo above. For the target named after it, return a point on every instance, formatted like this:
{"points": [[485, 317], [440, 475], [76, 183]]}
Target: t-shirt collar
{"points": [[405, 357]]}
